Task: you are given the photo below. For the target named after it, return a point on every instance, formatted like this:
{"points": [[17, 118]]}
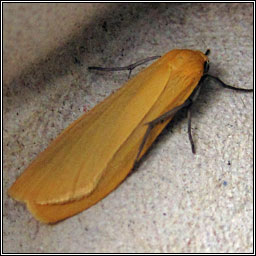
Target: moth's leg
{"points": [[189, 131], [129, 67], [158, 120], [192, 99], [150, 127]]}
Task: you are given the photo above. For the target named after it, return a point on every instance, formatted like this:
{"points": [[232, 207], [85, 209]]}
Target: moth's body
{"points": [[94, 154]]}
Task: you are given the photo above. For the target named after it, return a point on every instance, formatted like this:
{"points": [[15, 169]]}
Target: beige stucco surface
{"points": [[175, 201]]}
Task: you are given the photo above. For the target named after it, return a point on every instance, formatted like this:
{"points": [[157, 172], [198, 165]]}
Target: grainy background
{"points": [[176, 201]]}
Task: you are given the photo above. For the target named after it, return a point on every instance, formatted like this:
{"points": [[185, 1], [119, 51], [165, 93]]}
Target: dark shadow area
{"points": [[101, 34]]}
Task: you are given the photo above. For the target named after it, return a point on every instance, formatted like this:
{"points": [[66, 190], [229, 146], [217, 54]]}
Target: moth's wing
{"points": [[73, 164], [117, 170]]}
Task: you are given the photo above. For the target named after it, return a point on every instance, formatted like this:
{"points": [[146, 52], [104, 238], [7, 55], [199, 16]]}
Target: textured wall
{"points": [[32, 31], [175, 201]]}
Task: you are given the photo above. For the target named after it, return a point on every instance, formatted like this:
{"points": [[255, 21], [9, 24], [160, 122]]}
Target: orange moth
{"points": [[92, 156]]}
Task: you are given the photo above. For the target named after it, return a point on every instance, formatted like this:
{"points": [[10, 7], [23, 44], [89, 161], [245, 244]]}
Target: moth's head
{"points": [[206, 63]]}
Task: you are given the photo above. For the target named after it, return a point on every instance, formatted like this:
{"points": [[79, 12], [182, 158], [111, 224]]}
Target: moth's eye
{"points": [[206, 66]]}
